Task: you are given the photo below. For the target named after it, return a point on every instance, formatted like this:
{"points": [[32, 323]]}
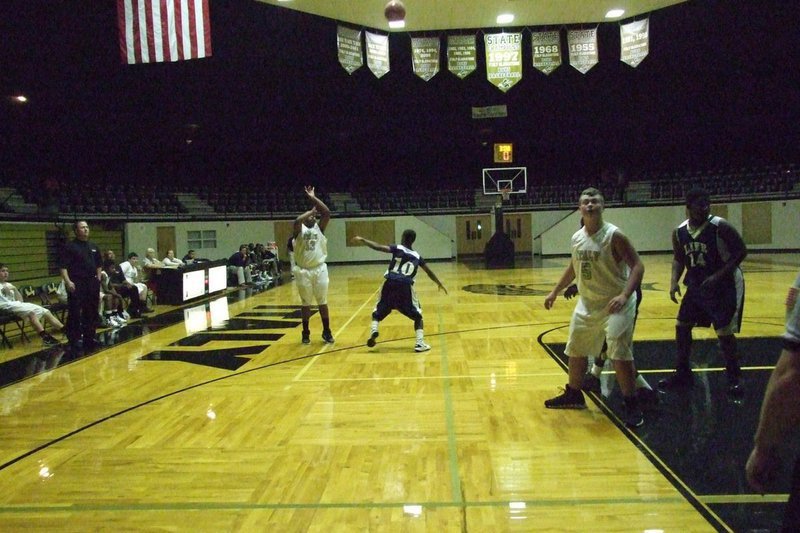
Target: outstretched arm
{"points": [[319, 205], [372, 244], [433, 277]]}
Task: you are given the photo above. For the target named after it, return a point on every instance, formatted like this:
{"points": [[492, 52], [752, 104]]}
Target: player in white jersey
{"points": [[780, 413], [311, 272], [608, 270], [398, 289]]}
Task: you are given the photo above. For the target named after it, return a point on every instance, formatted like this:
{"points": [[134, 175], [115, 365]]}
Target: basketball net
{"points": [[505, 194]]}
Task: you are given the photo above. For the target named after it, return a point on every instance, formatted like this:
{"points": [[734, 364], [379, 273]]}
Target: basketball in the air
{"points": [[394, 10]]}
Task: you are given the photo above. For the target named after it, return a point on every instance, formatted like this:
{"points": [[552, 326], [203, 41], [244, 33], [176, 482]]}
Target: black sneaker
{"points": [[569, 399], [306, 337], [676, 380], [591, 383], [631, 414], [646, 396], [371, 340], [327, 336], [49, 340]]}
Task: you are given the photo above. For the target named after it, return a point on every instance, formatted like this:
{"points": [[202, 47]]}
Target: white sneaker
{"points": [[113, 322], [421, 347], [125, 315], [121, 319]]}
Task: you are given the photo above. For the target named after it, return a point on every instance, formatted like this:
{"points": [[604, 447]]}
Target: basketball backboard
{"points": [[511, 180]]}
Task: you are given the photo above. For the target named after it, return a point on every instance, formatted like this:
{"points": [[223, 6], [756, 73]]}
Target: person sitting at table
{"points": [[170, 261]]}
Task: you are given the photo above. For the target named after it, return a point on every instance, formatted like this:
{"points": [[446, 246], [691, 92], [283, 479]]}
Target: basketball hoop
{"points": [[505, 193]]}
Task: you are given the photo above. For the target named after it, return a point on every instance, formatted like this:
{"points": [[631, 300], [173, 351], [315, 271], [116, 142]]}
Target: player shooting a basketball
{"points": [[398, 289]]}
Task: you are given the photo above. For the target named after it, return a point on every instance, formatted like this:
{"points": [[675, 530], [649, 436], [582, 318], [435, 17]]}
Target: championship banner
{"points": [[503, 59], [582, 49], [461, 55], [546, 47], [635, 39], [425, 56], [377, 53], [348, 42]]}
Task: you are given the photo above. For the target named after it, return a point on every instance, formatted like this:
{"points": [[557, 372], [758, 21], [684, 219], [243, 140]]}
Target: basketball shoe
{"points": [[569, 399]]}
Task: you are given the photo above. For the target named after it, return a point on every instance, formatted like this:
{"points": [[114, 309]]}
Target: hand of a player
{"points": [[616, 303], [673, 290], [310, 191], [550, 299], [760, 468], [442, 287], [571, 291], [357, 239]]}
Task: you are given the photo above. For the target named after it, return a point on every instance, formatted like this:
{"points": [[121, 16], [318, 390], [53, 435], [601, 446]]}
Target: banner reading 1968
{"points": [[546, 48], [503, 59]]}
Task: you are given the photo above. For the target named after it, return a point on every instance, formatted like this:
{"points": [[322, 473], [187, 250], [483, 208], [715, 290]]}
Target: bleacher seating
{"points": [[159, 198]]}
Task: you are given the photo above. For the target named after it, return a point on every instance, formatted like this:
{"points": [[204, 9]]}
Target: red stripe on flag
{"points": [[192, 29], [179, 29], [137, 31], [165, 30], [151, 40], [207, 27], [123, 43]]}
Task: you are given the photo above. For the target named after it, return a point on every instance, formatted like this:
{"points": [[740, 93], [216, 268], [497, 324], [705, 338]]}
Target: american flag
{"points": [[163, 30]]}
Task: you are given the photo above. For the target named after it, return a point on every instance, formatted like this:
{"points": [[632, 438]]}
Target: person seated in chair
{"points": [[125, 289], [133, 277], [240, 265], [170, 261], [12, 302], [190, 257]]}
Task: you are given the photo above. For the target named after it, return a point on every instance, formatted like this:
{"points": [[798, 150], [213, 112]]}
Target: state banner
{"points": [[425, 56], [635, 42], [503, 59], [546, 48], [377, 53], [582, 49], [348, 42], [462, 54]]}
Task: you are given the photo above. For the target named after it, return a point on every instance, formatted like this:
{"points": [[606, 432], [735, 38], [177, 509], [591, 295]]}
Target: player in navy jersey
{"points": [[710, 250], [398, 289]]}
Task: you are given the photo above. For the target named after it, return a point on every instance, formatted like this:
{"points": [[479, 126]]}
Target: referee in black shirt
{"points": [[80, 270]]}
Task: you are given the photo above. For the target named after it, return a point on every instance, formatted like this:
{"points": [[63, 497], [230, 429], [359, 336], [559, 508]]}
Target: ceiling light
{"points": [[505, 18], [396, 24], [615, 13]]}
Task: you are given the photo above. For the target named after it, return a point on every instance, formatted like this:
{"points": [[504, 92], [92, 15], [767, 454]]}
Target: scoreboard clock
{"points": [[503, 153]]}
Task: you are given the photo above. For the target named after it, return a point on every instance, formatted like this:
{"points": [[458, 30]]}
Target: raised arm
{"points": [[322, 209], [372, 244]]}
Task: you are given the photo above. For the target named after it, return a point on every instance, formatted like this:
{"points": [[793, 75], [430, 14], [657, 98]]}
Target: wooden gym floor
{"points": [[214, 417]]}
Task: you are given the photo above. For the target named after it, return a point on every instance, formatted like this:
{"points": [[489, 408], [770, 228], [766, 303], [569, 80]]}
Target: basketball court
{"points": [[214, 417]]}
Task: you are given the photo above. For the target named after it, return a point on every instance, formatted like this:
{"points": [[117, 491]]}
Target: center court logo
{"points": [[529, 289], [503, 289]]}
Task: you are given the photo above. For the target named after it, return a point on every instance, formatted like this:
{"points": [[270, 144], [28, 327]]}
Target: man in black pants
{"points": [[80, 270]]}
